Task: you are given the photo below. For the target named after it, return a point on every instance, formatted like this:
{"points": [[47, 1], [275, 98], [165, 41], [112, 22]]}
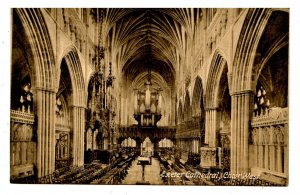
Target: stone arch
{"points": [[43, 77], [197, 101], [40, 46], [128, 142], [218, 64], [255, 46], [72, 59], [165, 143], [251, 33], [71, 87], [217, 100], [270, 69]]}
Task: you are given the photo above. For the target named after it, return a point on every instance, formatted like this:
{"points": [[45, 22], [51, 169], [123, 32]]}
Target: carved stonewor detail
{"points": [[270, 133], [22, 132], [255, 139], [223, 21], [66, 20], [208, 157], [265, 135], [268, 137], [279, 135]]}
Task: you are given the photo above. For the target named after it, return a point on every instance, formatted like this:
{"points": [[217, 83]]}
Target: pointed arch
{"points": [[252, 30], [43, 77], [40, 46], [71, 73], [197, 101], [256, 44], [217, 67], [75, 69]]}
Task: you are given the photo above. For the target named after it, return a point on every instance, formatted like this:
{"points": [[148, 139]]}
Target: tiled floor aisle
{"points": [[151, 173]]}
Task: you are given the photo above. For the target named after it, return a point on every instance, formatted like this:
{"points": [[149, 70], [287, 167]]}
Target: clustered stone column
{"points": [[78, 134], [208, 154], [45, 132], [211, 126], [240, 119]]}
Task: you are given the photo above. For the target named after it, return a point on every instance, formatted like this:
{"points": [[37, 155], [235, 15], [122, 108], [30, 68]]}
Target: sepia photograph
{"points": [[149, 96]]}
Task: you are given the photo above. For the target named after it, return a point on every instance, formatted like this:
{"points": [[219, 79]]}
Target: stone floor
{"points": [[152, 174]]}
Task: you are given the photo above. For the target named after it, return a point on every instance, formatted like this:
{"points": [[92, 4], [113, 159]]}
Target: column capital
{"points": [[211, 108], [244, 92], [45, 90], [77, 106]]}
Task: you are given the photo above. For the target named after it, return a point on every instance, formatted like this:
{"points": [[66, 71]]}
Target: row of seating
{"points": [[78, 175], [116, 173]]}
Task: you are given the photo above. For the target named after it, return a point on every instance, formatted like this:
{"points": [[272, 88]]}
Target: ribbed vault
{"points": [[139, 37]]}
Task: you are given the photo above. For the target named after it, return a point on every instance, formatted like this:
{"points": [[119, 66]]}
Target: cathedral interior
{"points": [[149, 96]]}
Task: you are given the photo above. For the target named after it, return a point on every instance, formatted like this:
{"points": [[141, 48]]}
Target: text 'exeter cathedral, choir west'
{"points": [[183, 96]]}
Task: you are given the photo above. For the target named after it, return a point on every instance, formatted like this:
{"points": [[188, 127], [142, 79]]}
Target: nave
{"points": [[99, 93]]}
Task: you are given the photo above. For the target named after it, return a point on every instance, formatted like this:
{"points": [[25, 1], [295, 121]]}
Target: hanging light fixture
{"points": [[26, 98], [261, 102]]}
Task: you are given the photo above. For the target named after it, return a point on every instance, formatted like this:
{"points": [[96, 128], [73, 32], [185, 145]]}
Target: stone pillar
{"points": [[45, 132], [211, 127], [207, 127], [82, 126], [78, 135], [209, 153], [240, 121]]}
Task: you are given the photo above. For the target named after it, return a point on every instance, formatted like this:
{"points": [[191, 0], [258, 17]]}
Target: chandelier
{"points": [[26, 98], [261, 102], [147, 102]]}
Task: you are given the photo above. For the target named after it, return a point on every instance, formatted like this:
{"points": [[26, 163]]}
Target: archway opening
{"points": [[165, 143], [268, 148], [22, 69], [224, 122], [64, 125], [198, 115], [147, 148], [22, 104], [128, 143]]}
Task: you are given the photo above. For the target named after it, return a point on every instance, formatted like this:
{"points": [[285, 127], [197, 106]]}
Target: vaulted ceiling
{"points": [[156, 38]]}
